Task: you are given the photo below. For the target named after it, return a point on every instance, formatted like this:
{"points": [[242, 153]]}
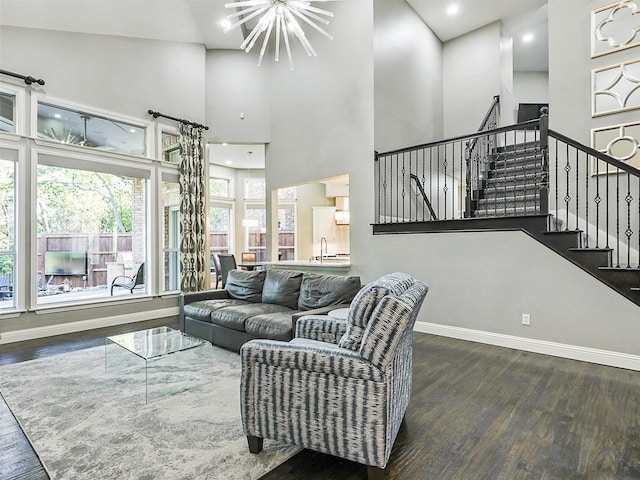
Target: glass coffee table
{"points": [[170, 357]]}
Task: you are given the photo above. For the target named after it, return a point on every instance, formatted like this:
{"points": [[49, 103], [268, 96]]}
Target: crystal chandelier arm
{"points": [[247, 18], [248, 44], [243, 12], [286, 42], [304, 6], [310, 15], [277, 55], [266, 37], [247, 3], [299, 33], [303, 17]]}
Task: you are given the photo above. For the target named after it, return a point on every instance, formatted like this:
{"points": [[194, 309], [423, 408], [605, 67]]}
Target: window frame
{"points": [[146, 125], [74, 160]]}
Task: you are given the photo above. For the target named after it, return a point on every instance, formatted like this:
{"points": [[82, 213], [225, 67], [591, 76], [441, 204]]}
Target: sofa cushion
{"points": [[276, 326], [282, 287], [245, 285], [317, 291], [366, 301], [202, 310], [234, 317]]}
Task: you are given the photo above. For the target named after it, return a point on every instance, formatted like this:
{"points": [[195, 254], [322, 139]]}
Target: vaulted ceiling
{"points": [[197, 21]]}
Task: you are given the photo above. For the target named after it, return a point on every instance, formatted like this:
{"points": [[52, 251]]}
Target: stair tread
{"points": [[561, 232], [585, 249]]}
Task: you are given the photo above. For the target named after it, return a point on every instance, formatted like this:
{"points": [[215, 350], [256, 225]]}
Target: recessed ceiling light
{"points": [[132, 130], [57, 115], [225, 23], [228, 162], [453, 9], [224, 144], [527, 38]]}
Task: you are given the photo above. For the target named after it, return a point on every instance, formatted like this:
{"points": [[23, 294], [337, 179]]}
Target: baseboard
{"points": [[573, 352], [71, 327]]}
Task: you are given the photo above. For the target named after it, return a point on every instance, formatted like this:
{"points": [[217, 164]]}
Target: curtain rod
{"points": [[158, 114], [27, 78]]}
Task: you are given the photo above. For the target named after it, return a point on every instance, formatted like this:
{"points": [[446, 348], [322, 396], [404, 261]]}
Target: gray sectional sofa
{"points": [[262, 304]]}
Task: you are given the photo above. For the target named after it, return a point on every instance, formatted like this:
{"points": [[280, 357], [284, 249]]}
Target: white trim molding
{"points": [[62, 328], [573, 352]]}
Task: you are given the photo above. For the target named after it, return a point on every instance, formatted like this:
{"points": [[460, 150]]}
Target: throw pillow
{"points": [[245, 285], [282, 287]]}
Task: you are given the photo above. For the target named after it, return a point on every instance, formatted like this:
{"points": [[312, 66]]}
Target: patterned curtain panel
{"points": [[193, 255]]}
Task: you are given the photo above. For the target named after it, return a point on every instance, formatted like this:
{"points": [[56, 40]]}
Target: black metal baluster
{"points": [[577, 189], [431, 175], [586, 203], [567, 198], [404, 218], [607, 203], [423, 183], [445, 189], [397, 162], [438, 179], [597, 201], [557, 183], [617, 217], [628, 232]]}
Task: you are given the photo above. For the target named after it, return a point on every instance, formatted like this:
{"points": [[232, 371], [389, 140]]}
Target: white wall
{"points": [[531, 87], [123, 75], [236, 86], [472, 77], [407, 78]]}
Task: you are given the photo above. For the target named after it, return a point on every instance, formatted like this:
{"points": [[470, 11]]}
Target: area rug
{"points": [[88, 423]]}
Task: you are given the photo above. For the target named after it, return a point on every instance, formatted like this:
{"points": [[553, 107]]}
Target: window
{"points": [[286, 231], [255, 226], [171, 147], [76, 127], [219, 187], [7, 112], [255, 188], [171, 232], [7, 232], [91, 228]]}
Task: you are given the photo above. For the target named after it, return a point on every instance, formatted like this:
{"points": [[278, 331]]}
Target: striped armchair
{"points": [[340, 387]]}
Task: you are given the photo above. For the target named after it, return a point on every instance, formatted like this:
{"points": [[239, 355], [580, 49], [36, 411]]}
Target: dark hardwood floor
{"points": [[477, 413]]}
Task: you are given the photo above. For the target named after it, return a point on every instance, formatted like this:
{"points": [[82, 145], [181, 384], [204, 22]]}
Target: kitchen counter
{"points": [[328, 265]]}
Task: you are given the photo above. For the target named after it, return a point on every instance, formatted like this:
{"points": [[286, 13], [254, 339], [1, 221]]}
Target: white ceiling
{"points": [[197, 21]]}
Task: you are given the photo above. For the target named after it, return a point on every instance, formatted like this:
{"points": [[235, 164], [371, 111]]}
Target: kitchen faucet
{"points": [[323, 239]]}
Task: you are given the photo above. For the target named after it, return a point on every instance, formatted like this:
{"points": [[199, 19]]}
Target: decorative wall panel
{"points": [[615, 27], [616, 88], [621, 142]]}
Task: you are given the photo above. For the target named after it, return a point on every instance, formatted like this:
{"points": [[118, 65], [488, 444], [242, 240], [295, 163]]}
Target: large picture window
{"points": [[91, 230]]}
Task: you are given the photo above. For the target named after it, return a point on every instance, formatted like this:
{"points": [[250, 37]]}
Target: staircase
{"points": [[512, 187], [507, 178], [512, 182]]}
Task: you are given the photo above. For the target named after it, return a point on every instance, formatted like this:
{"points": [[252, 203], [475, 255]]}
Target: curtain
{"points": [[194, 262]]}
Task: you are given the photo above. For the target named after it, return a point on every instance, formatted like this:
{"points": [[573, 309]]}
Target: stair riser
{"points": [[592, 260], [562, 241], [624, 278]]}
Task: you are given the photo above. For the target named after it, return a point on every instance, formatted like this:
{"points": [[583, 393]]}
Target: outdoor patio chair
{"points": [[130, 283]]}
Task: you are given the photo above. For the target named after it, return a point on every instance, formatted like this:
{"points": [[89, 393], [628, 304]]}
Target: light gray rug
{"points": [[86, 423]]}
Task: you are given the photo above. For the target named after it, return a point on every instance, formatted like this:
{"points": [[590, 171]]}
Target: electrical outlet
{"points": [[526, 319]]}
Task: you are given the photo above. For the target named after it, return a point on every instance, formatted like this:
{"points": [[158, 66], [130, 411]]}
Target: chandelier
{"points": [[282, 18]]}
